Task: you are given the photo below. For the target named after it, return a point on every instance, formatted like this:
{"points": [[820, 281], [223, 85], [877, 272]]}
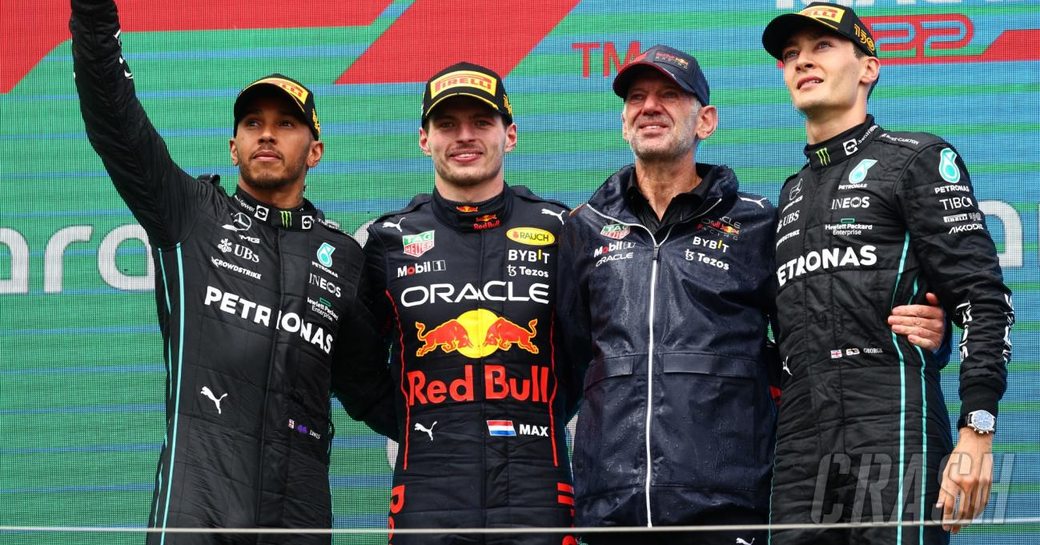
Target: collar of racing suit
{"points": [[474, 216], [301, 218], [839, 148]]}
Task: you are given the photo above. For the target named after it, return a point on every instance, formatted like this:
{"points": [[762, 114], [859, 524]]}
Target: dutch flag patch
{"points": [[501, 428]]}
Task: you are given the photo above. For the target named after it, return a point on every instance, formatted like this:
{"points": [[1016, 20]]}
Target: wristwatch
{"points": [[981, 422]]}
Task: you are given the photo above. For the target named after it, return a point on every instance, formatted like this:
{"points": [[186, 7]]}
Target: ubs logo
{"points": [[227, 246]]}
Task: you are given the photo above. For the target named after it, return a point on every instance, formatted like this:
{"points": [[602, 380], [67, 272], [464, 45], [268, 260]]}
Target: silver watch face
{"points": [[982, 421]]}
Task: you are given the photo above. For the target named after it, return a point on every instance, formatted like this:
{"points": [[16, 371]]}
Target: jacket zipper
{"points": [[650, 373], [650, 343]]}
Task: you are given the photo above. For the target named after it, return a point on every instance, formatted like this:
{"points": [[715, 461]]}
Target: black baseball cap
{"points": [[471, 80], [675, 64], [838, 19], [300, 95]]}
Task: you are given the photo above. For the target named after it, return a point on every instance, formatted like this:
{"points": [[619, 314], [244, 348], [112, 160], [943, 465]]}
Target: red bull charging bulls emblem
{"points": [[491, 333]]}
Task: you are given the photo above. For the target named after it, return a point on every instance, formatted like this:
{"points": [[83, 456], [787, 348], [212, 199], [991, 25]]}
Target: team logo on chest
{"points": [[859, 173], [476, 334], [616, 231], [417, 245]]}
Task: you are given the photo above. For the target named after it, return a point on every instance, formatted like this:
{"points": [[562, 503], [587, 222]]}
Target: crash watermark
{"points": [[885, 492]]}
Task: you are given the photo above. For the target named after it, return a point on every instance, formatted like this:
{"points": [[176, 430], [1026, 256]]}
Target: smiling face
{"points": [[825, 75], [273, 147], [661, 121], [467, 141]]}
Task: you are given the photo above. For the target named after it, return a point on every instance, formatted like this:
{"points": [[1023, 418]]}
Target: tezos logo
{"points": [[325, 254]]}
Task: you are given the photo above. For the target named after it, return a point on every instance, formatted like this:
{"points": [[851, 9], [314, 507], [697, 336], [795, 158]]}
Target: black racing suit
{"points": [[466, 293], [257, 306], [875, 220]]}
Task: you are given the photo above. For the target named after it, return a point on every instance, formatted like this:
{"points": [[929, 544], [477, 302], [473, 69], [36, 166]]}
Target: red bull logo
{"points": [[494, 332], [449, 337], [532, 385], [722, 225], [504, 334], [486, 221]]}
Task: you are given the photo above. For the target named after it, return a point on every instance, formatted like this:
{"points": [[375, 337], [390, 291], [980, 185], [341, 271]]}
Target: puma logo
{"points": [[559, 215], [740, 541], [216, 400], [424, 429], [391, 225], [760, 205]]}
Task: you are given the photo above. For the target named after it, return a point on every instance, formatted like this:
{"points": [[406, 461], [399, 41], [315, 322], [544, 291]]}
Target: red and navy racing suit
{"points": [[677, 422], [466, 292], [258, 308], [876, 219]]}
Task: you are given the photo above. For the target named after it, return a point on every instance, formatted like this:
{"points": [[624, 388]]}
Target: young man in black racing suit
{"points": [[257, 298], [463, 281], [876, 219]]}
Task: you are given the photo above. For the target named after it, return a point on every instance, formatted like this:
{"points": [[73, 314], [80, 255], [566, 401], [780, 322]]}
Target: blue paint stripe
{"points": [[90, 449], [133, 487], [98, 409], [367, 441], [64, 331], [84, 370], [381, 481], [359, 521], [177, 386], [902, 395]]}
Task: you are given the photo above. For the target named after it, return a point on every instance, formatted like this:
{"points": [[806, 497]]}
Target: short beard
{"points": [[670, 153], [263, 183], [465, 180]]}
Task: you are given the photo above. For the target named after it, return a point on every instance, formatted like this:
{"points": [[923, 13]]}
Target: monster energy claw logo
{"points": [[325, 254], [286, 218], [823, 155]]}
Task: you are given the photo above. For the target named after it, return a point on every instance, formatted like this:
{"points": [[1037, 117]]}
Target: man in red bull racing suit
{"points": [[257, 298], [463, 280]]}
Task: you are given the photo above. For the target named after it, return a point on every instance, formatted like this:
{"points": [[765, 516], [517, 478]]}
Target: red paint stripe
{"points": [[1011, 46], [407, 406], [1015, 45], [552, 397], [488, 32], [565, 500], [31, 30], [564, 487]]}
